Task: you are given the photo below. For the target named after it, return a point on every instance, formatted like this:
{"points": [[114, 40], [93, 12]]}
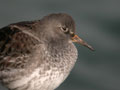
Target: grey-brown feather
{"points": [[31, 59], [14, 45]]}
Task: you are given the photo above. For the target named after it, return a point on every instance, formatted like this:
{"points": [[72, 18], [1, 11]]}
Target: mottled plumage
{"points": [[37, 55]]}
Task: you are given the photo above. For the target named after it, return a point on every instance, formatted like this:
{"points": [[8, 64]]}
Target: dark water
{"points": [[98, 22]]}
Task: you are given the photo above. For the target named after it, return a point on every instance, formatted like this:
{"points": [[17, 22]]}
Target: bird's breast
{"points": [[52, 69], [39, 80]]}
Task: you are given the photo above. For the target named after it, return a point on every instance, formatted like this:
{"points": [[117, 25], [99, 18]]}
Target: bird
{"points": [[39, 54]]}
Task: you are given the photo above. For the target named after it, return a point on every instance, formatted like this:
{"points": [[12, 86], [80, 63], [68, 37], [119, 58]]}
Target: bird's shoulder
{"points": [[17, 41]]}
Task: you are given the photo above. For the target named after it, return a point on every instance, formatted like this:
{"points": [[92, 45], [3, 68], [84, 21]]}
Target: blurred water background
{"points": [[97, 22]]}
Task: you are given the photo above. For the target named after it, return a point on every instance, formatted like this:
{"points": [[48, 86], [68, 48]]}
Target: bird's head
{"points": [[61, 26]]}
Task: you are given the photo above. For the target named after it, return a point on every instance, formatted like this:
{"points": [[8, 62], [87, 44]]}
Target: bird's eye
{"points": [[64, 29]]}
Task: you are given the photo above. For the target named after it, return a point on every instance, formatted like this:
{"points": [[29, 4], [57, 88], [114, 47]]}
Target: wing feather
{"points": [[16, 44]]}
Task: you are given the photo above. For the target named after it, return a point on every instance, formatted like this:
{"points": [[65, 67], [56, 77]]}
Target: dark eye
{"points": [[64, 29]]}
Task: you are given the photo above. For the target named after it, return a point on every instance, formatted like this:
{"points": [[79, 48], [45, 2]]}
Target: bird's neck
{"points": [[59, 45], [60, 52]]}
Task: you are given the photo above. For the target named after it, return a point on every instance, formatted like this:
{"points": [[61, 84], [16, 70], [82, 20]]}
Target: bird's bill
{"points": [[77, 39]]}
